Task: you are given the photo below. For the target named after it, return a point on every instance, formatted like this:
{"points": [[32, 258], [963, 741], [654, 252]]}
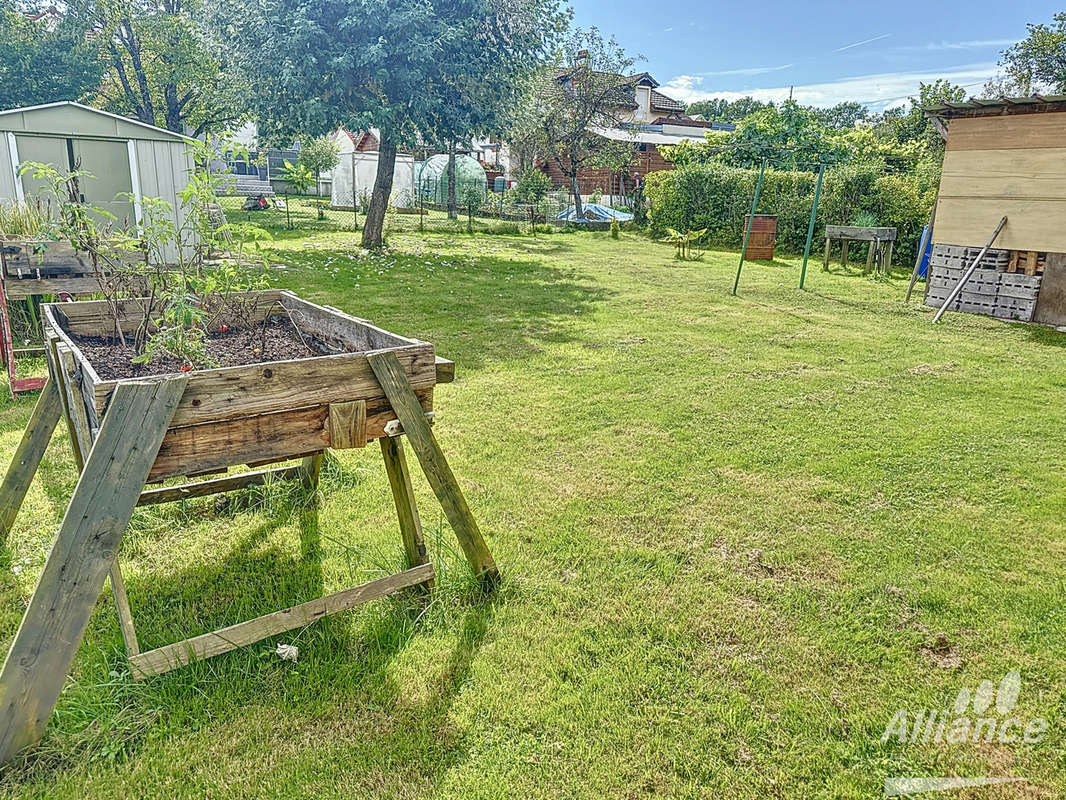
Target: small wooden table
{"points": [[881, 240]]}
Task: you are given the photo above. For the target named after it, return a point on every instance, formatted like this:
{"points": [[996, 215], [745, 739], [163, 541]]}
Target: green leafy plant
{"points": [[687, 244], [298, 176], [616, 230], [532, 186], [864, 219], [471, 198]]}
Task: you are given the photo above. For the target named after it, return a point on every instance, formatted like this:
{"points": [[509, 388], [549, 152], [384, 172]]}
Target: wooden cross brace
{"points": [[114, 463]]}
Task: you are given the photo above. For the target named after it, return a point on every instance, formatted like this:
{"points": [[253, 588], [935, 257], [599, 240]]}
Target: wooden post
{"points": [[403, 496], [825, 263], [28, 455], [310, 468], [408, 410], [844, 254], [84, 550]]}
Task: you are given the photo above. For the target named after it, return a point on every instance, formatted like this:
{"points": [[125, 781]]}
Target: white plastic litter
{"points": [[288, 652]]}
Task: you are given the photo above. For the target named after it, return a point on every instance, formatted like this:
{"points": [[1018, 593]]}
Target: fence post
{"points": [[810, 227], [355, 200], [288, 217], [421, 211], [751, 219]]}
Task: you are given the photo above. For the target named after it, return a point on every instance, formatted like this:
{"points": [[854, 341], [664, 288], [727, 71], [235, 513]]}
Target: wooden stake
{"points": [[28, 455], [393, 380], [403, 496], [84, 550]]}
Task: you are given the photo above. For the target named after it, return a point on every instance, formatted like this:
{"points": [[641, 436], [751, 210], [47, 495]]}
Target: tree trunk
{"points": [[452, 205], [575, 191], [374, 225]]}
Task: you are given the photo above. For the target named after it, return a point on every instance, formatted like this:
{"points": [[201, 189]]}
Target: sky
{"points": [[875, 54]]}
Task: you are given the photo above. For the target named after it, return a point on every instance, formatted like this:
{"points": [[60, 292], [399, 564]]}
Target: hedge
{"points": [[718, 197]]}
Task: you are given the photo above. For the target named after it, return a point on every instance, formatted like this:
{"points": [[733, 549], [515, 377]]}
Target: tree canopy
{"points": [[44, 60], [1034, 65], [412, 70]]}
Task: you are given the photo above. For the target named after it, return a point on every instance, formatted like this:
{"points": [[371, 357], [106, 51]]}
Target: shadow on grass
{"points": [[1045, 335]]}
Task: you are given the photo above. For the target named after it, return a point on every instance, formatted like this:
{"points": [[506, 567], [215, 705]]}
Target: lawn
{"points": [[737, 534]]}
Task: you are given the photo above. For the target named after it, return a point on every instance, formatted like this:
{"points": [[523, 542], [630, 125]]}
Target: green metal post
{"points": [[751, 220], [810, 228]]}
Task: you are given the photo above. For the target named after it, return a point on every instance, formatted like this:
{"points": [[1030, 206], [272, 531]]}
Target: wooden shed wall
{"points": [[1013, 165]]}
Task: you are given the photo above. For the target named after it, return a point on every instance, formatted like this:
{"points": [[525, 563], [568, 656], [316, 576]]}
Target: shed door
{"points": [[106, 161], [44, 150], [109, 164]]}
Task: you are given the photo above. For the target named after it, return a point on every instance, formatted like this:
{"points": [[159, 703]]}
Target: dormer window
{"points": [[643, 102]]}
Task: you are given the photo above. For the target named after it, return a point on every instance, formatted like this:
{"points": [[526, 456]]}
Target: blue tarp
{"points": [[594, 212]]}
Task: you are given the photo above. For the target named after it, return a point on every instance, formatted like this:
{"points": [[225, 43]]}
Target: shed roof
{"points": [[67, 118], [1034, 104]]}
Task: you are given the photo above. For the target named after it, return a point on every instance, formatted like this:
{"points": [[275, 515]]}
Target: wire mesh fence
{"points": [[306, 213]]}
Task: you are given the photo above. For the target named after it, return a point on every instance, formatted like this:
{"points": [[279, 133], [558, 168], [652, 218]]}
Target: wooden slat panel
{"points": [[1024, 174], [243, 634], [261, 388], [333, 324], [1031, 224], [266, 437], [1013, 132]]}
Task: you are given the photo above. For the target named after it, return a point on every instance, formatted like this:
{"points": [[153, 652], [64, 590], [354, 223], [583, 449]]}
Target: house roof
{"points": [[663, 103], [648, 135], [67, 118], [1034, 104]]}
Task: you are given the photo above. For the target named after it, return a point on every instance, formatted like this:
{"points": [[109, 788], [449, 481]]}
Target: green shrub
{"points": [[616, 231]]}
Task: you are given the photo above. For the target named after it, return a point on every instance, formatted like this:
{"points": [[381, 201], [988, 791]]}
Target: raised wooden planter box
{"points": [[264, 412]]}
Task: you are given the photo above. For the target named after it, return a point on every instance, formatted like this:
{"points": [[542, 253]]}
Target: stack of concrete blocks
{"points": [[991, 290]]}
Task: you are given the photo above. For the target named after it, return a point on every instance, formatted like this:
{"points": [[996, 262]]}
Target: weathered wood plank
{"points": [[347, 424], [405, 403], [230, 483], [230, 392], [84, 550], [309, 470], [335, 326], [262, 438], [1012, 132], [445, 370], [243, 634], [28, 455], [1033, 225], [403, 496]]}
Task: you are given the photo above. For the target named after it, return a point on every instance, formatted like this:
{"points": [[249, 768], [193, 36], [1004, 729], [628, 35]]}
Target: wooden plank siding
{"points": [[1013, 165]]}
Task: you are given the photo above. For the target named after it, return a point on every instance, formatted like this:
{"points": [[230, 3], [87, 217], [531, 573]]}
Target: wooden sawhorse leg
{"points": [[28, 455], [43, 651], [408, 410]]}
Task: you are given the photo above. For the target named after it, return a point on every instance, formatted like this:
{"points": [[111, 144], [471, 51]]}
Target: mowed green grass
{"points": [[732, 531]]}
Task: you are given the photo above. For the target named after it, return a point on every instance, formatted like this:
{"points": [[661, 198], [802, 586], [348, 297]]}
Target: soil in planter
{"points": [[276, 341]]}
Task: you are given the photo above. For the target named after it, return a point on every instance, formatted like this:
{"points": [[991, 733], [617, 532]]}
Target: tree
{"points": [[163, 66], [44, 60], [721, 110], [390, 64], [789, 135], [1035, 64], [319, 155], [585, 89], [843, 116]]}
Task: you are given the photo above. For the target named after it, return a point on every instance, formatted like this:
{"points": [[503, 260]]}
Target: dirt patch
{"points": [[941, 652], [277, 340]]}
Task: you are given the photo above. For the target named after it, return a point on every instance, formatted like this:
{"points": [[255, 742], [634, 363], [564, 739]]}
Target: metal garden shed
{"points": [[124, 156]]}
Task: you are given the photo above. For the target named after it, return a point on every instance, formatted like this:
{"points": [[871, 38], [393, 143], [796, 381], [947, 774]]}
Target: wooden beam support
{"points": [[176, 655], [44, 647], [403, 495], [309, 470], [230, 483], [405, 405], [28, 455]]}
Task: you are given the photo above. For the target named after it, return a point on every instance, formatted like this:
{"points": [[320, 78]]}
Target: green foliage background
{"points": [[717, 197]]}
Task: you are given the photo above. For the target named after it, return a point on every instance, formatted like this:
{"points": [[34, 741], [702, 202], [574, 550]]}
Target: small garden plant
{"points": [[183, 296]]}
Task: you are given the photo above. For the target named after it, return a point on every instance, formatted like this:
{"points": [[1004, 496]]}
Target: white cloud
{"points": [[967, 45], [747, 70], [864, 41], [885, 90]]}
